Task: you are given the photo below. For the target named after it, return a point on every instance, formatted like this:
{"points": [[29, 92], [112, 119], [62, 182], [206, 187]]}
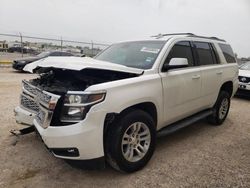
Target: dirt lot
{"points": [[198, 156], [11, 56]]}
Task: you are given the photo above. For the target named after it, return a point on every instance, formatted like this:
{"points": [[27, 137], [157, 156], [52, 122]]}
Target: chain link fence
{"points": [[23, 45]]}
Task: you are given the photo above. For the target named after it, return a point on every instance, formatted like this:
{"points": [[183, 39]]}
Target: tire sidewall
{"points": [[221, 97], [121, 127]]}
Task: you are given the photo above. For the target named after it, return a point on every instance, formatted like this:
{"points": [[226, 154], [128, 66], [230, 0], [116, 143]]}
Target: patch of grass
{"points": [[5, 62]]}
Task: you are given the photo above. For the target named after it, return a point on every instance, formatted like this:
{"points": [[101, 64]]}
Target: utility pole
{"points": [[61, 44], [21, 42], [92, 47]]}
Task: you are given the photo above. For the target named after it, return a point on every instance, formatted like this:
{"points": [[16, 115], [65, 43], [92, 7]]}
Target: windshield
{"points": [[246, 66], [139, 54], [43, 54]]}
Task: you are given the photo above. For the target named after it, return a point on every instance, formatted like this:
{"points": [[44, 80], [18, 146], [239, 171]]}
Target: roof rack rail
{"points": [[213, 38], [160, 35], [188, 34]]}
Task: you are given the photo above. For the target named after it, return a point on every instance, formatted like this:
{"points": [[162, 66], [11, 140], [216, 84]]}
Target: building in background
{"points": [[3, 46]]}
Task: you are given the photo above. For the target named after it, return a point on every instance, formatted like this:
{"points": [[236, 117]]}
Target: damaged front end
{"points": [[34, 101], [58, 97], [58, 105]]}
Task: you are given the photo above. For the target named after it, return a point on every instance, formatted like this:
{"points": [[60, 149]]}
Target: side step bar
{"points": [[184, 123]]}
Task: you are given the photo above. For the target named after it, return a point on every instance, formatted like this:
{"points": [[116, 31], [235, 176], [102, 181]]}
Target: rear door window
{"points": [[228, 53], [204, 53]]}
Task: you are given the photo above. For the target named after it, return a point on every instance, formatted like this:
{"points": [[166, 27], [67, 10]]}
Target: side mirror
{"points": [[176, 63]]}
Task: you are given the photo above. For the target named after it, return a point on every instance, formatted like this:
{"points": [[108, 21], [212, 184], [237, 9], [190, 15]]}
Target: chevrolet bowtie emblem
{"points": [[243, 79]]}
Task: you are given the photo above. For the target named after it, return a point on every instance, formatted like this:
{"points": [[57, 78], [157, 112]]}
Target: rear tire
{"points": [[221, 109], [131, 141]]}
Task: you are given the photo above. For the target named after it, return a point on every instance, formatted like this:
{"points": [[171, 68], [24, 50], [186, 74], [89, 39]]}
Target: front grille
{"points": [[45, 98], [29, 103], [36, 92], [40, 117], [244, 79], [31, 89], [39, 101]]}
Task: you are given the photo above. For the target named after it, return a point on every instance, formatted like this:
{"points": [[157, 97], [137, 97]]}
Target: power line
{"points": [[53, 39]]}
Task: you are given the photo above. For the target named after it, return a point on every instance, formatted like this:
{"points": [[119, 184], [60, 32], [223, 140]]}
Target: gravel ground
{"points": [[197, 156]]}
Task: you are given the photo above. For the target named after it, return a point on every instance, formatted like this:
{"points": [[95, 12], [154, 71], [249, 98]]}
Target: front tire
{"points": [[131, 141], [221, 109]]}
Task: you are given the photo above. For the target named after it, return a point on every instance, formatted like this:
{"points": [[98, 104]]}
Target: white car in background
{"points": [[244, 80]]}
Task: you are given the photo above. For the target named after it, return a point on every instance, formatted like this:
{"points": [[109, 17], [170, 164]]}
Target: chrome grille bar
{"points": [[28, 103], [38, 101], [30, 89], [45, 113]]}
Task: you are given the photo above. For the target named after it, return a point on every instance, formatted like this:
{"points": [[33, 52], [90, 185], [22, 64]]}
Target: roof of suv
{"points": [[166, 37], [176, 35]]}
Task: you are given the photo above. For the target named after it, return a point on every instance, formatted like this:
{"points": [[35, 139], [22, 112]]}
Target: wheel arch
{"points": [[228, 87], [148, 107]]}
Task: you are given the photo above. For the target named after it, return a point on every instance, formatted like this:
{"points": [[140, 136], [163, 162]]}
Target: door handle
{"points": [[219, 72], [196, 76]]}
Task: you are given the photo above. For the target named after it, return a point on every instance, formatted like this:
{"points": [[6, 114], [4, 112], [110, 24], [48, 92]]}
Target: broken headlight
{"points": [[77, 104]]}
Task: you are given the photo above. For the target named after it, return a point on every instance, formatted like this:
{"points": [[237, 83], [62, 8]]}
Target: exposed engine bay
{"points": [[54, 96], [59, 81]]}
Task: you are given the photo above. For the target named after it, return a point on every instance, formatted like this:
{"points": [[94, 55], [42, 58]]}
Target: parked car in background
{"points": [[20, 63], [244, 80], [19, 49]]}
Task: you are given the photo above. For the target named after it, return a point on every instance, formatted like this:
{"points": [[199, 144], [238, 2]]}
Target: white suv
{"points": [[112, 107], [244, 80]]}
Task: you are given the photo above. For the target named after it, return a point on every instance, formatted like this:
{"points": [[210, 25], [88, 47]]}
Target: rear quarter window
{"points": [[228, 53]]}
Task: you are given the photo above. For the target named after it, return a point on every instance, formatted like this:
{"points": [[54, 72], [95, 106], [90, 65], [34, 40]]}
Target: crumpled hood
{"points": [[245, 73], [79, 63]]}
